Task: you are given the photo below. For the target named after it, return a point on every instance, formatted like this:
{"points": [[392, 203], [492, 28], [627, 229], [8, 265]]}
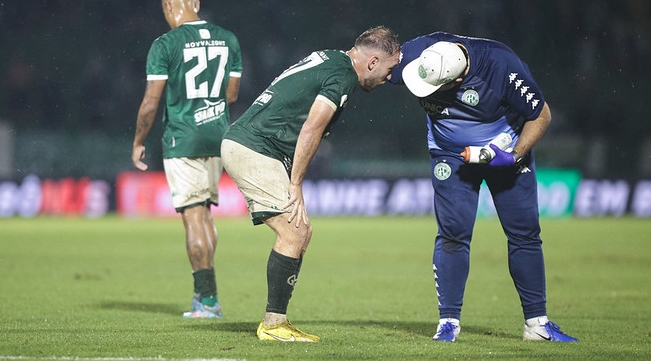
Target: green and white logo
{"points": [[421, 72], [442, 171], [470, 97]]}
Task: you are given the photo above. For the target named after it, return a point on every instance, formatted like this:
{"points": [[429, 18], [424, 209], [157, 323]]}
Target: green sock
{"points": [[209, 301], [206, 286], [282, 273]]}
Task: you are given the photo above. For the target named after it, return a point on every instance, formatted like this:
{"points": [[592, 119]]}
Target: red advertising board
{"points": [[147, 194]]}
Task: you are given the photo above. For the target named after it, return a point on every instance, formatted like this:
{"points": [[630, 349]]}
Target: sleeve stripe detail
{"points": [[156, 77], [327, 101]]}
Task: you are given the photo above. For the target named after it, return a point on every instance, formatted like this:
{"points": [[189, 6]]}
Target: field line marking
{"points": [[75, 358]]}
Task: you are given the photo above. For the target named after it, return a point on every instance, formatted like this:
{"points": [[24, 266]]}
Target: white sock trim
{"points": [[542, 320], [453, 321]]}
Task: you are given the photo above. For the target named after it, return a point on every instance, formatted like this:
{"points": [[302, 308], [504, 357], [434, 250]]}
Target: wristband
{"points": [[516, 157]]}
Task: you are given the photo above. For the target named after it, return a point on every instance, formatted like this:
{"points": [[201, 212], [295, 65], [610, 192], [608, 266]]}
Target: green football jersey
{"points": [[196, 59], [271, 125]]}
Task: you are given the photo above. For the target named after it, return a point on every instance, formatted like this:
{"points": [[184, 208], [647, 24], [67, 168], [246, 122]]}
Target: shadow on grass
{"points": [[221, 325], [417, 328], [141, 307]]}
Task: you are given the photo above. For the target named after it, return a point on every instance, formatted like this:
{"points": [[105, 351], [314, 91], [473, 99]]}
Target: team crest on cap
{"points": [[442, 171], [470, 97], [421, 72]]}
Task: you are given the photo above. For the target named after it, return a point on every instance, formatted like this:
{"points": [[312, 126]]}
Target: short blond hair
{"points": [[379, 37]]}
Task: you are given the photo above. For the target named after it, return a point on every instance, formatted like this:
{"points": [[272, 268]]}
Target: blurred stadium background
{"points": [[73, 77]]}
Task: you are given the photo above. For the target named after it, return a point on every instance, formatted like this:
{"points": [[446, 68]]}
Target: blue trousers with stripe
{"points": [[456, 196]]}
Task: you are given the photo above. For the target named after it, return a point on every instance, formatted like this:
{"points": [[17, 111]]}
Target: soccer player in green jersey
{"points": [[268, 149], [199, 66]]}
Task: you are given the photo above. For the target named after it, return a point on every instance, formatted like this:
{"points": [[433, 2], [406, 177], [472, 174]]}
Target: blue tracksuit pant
{"points": [[456, 195]]}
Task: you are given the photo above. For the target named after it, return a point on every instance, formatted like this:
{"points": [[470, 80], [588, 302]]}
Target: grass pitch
{"points": [[115, 289]]}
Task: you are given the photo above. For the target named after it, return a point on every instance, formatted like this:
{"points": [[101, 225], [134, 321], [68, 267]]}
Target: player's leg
{"points": [[201, 237], [456, 193], [201, 240], [190, 185], [283, 268], [264, 183], [515, 195]]}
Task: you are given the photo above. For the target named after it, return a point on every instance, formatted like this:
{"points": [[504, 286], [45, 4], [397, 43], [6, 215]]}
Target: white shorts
{"points": [[193, 181], [262, 180]]}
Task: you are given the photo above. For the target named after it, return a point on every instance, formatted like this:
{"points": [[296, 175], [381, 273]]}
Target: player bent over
{"points": [[473, 91], [268, 149]]}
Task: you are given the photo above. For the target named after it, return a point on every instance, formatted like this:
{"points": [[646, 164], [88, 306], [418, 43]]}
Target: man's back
{"points": [[197, 59], [496, 95], [272, 124]]}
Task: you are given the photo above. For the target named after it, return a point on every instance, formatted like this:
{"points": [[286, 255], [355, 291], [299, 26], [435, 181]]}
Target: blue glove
{"points": [[501, 158]]}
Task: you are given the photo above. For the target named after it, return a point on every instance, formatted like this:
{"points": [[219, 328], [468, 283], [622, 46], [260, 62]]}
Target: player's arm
{"points": [[533, 128], [145, 120], [532, 131], [307, 144], [232, 90]]}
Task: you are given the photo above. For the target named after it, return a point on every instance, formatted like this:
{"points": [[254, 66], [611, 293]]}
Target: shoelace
{"points": [[552, 327], [448, 327]]}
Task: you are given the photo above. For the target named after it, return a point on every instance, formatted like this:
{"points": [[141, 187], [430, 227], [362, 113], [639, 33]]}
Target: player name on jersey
{"points": [[196, 44]]}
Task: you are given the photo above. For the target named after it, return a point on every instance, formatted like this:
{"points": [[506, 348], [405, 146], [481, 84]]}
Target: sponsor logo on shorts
{"points": [[199, 193]]}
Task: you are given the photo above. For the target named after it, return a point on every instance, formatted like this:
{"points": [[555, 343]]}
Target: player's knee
{"points": [[452, 244], [308, 235]]}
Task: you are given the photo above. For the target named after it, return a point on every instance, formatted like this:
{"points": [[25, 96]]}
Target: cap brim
{"points": [[415, 83]]}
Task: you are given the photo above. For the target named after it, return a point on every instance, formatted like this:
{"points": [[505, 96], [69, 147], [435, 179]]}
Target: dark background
{"points": [[73, 75]]}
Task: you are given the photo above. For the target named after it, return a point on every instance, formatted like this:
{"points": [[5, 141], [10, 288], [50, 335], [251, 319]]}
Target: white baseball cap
{"points": [[437, 65]]}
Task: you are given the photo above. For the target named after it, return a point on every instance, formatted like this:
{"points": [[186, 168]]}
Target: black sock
{"points": [[204, 282], [282, 274]]}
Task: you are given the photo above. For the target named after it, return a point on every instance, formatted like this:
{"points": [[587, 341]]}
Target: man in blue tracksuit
{"points": [[474, 90]]}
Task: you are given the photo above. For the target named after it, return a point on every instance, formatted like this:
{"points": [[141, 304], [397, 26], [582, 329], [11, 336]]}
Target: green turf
{"points": [[115, 289]]}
